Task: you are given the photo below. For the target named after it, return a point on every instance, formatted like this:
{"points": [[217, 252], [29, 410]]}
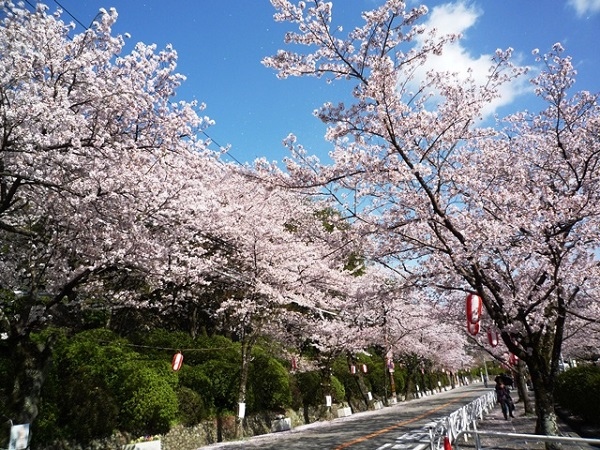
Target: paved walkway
{"points": [[521, 424]]}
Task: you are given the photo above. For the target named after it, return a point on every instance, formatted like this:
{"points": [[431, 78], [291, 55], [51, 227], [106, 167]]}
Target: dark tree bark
{"points": [[31, 361], [522, 389]]}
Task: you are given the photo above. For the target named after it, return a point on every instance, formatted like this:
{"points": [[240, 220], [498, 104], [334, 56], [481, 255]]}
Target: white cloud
{"points": [[453, 17], [457, 18], [583, 7]]}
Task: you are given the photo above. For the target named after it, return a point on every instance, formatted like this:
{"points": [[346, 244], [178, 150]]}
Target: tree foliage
{"points": [[578, 390], [98, 384]]}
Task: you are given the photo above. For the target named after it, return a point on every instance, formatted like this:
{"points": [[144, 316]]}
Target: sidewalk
{"points": [[521, 424]]}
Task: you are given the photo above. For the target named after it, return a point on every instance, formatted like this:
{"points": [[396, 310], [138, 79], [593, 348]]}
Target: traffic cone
{"points": [[447, 444]]}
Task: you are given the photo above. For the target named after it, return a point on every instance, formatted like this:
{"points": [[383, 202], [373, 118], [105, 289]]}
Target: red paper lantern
{"points": [[364, 368], [353, 369], [177, 361], [474, 307], [492, 335], [473, 328], [447, 443], [513, 359]]}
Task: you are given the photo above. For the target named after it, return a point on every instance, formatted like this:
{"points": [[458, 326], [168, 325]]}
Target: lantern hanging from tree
{"points": [[474, 307], [492, 335], [177, 361], [473, 328]]}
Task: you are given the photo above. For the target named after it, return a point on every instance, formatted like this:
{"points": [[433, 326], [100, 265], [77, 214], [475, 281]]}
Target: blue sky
{"points": [[220, 44]]}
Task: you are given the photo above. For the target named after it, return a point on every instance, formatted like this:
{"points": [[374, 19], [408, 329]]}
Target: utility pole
{"points": [[485, 376]]}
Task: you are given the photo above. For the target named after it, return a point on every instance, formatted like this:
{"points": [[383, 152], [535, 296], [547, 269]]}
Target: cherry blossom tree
{"points": [[95, 159], [281, 262], [582, 341], [508, 212], [108, 199], [397, 317]]}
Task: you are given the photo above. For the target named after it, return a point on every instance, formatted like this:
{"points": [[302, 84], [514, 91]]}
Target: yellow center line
{"points": [[366, 437]]}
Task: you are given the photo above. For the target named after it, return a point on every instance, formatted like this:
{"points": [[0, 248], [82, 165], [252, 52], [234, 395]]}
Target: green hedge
{"points": [[100, 383], [578, 390], [147, 398], [313, 387], [268, 385]]}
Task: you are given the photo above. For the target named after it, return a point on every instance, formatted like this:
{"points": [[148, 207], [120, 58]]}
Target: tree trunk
{"points": [[544, 402], [246, 355], [360, 383], [410, 385], [327, 390], [219, 426], [522, 389], [31, 361], [364, 391]]}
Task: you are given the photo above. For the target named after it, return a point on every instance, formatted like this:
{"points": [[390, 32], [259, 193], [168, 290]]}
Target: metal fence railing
{"points": [[448, 429], [529, 437], [446, 433]]}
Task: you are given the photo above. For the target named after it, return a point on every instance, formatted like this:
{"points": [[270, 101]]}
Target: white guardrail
{"points": [[445, 431], [530, 437]]}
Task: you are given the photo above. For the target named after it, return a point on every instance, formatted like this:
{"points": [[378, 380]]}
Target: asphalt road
{"points": [[402, 426]]}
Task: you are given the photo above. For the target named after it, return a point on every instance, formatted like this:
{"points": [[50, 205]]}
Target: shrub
{"points": [[378, 378], [578, 390], [222, 390], [372, 381], [98, 384], [400, 376], [338, 392], [309, 387], [89, 410], [269, 385], [210, 369], [149, 404], [195, 400], [156, 343], [192, 409], [313, 391], [78, 401]]}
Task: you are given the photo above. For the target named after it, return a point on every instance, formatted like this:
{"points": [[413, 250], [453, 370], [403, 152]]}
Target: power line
{"points": [[228, 153], [72, 16], [30, 4], [172, 349]]}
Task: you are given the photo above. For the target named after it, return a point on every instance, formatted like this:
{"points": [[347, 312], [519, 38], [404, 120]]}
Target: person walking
{"points": [[503, 397]]}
